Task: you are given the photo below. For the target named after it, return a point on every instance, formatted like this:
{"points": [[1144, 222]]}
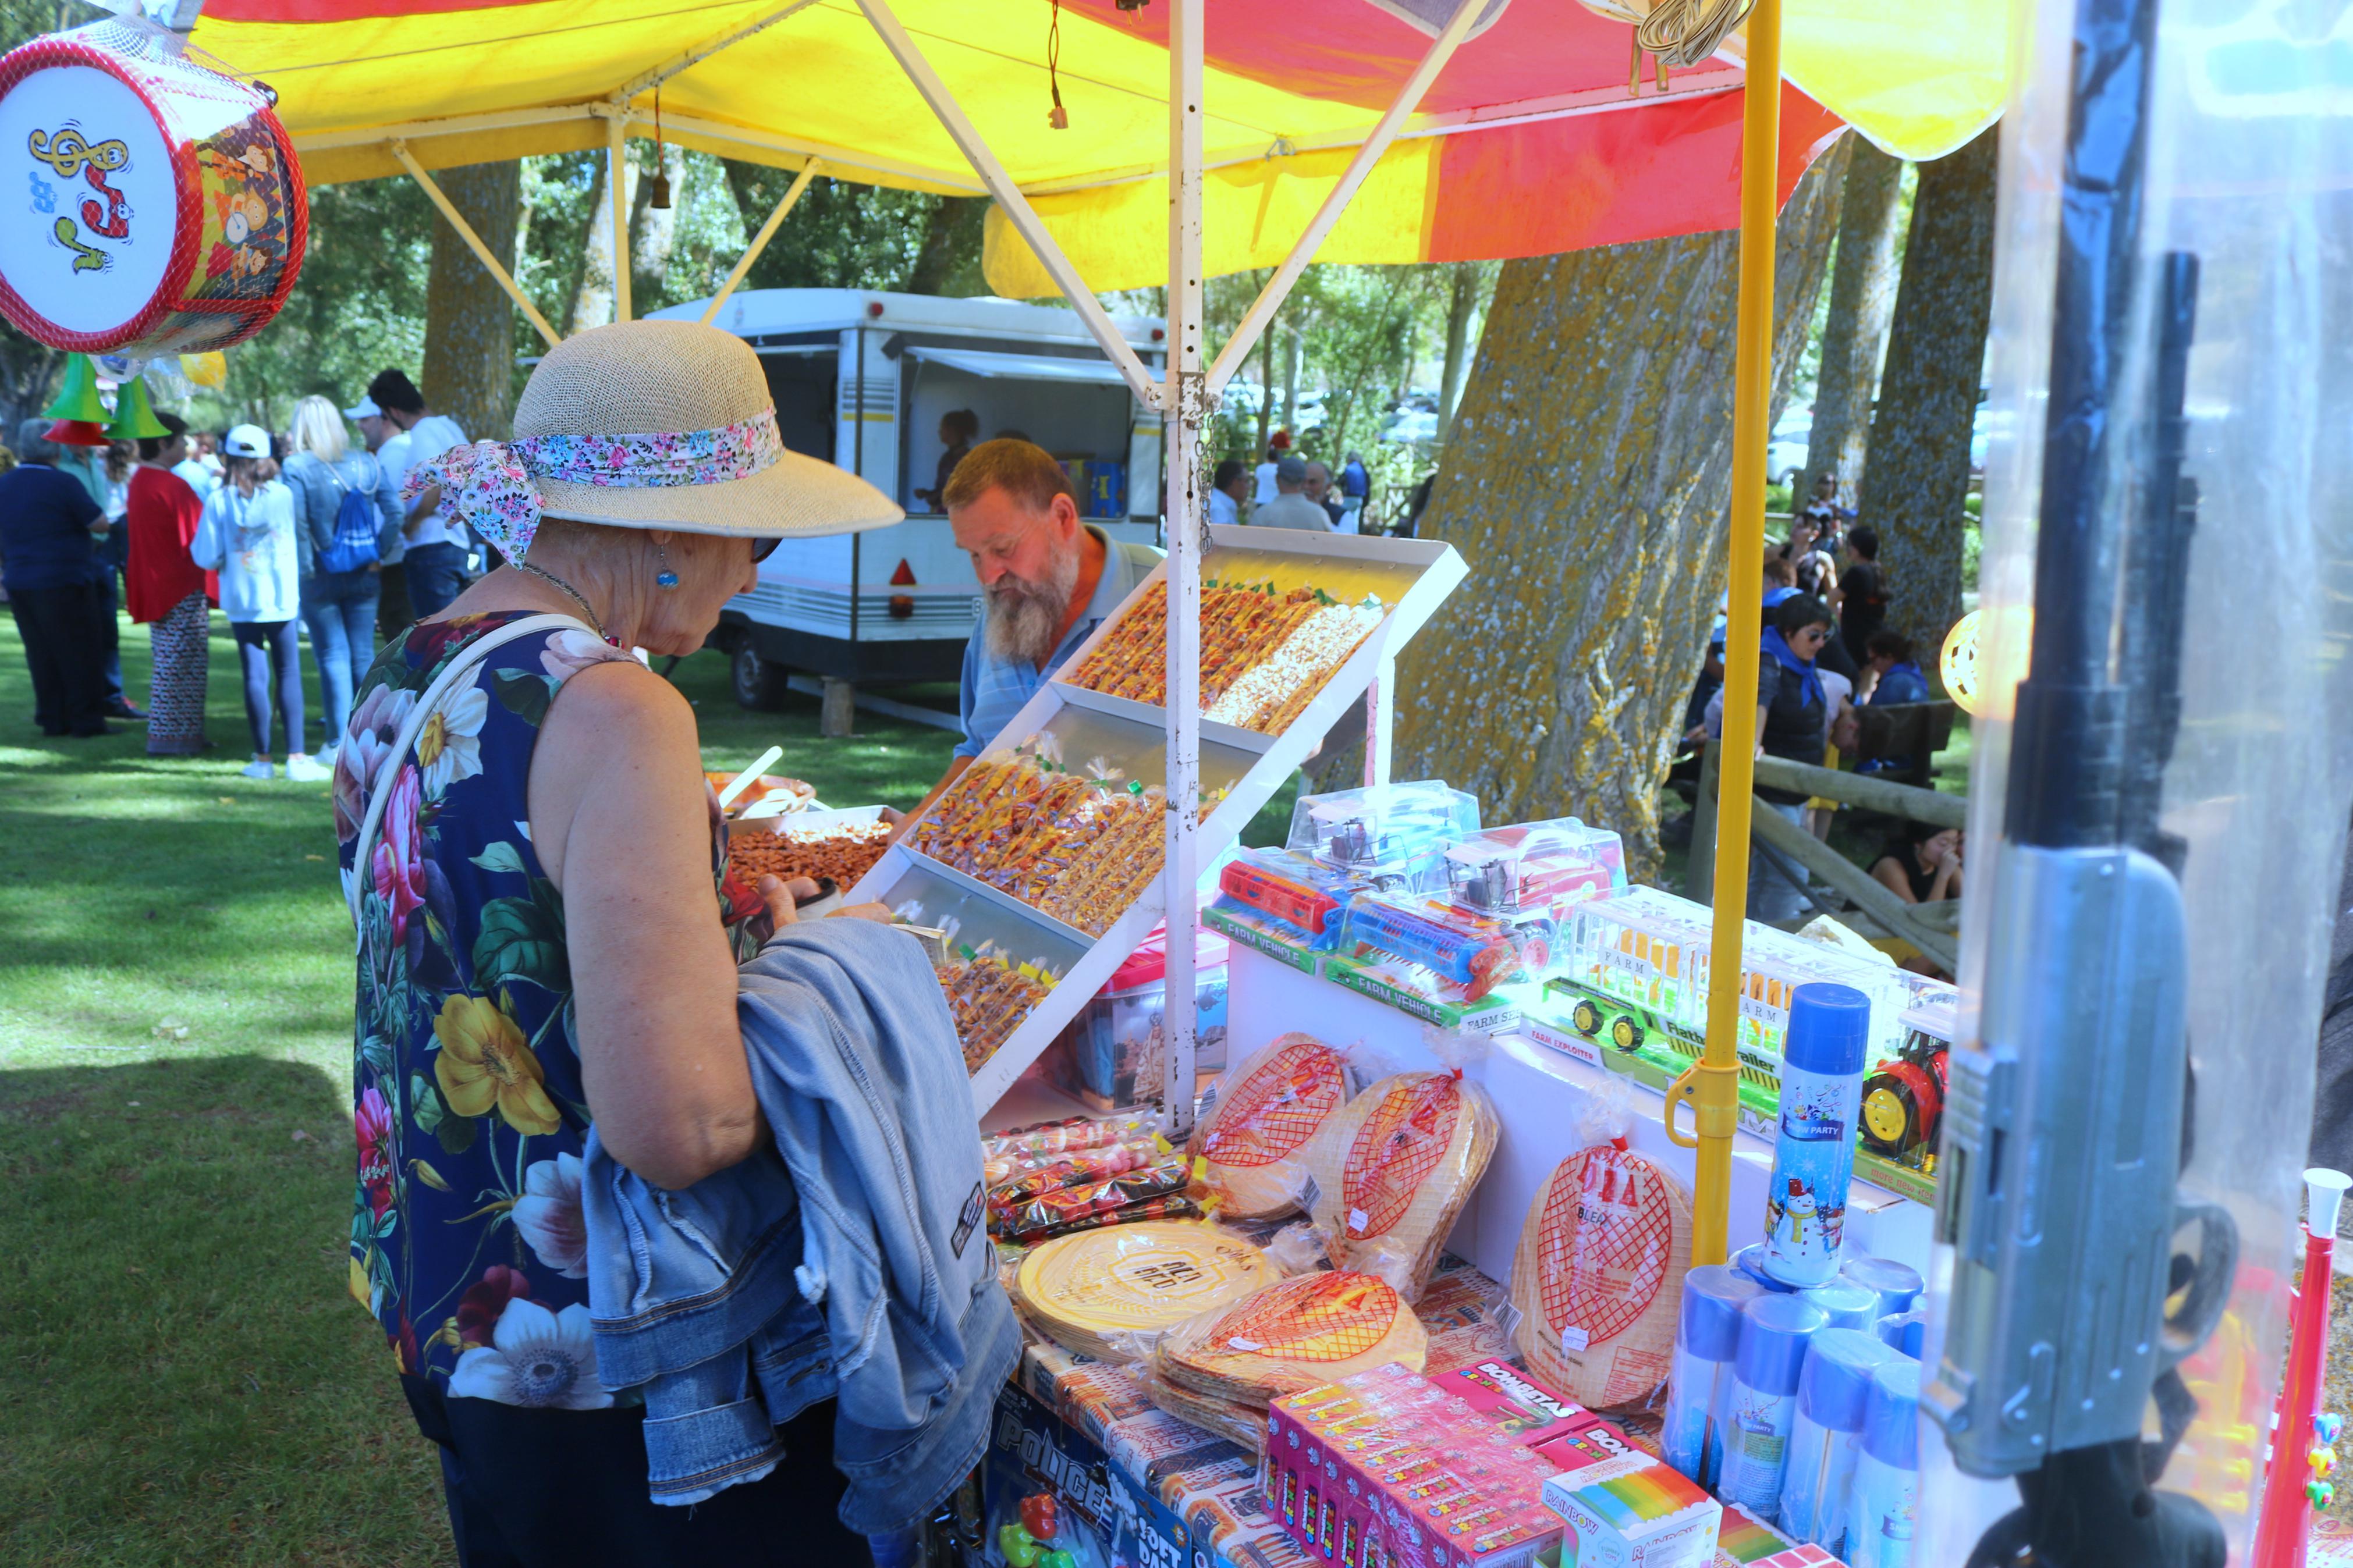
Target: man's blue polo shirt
{"points": [[995, 691]]}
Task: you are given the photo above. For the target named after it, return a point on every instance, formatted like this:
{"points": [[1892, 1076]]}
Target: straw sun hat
{"points": [[651, 425]]}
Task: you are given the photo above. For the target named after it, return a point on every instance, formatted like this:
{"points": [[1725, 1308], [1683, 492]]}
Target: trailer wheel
{"points": [[757, 683], [1626, 1034], [1587, 1017]]}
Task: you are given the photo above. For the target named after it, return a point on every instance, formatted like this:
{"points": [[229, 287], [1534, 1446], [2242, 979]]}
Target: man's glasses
{"points": [[763, 548]]}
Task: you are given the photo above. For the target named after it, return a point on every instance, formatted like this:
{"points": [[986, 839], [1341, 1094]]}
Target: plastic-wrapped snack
{"points": [[989, 998], [1315, 1329], [1599, 1275], [1244, 1425], [1046, 1172], [1269, 1106], [1060, 1138], [1175, 1205], [1266, 652], [1393, 1168], [1058, 1206], [1109, 1293]]}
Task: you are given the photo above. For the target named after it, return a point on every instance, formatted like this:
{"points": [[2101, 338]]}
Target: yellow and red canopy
{"points": [[1530, 141]]}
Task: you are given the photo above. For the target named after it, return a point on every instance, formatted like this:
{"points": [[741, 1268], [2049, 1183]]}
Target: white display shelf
{"points": [[1411, 577]]}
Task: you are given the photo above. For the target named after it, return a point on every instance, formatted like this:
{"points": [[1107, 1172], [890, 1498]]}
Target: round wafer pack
{"points": [[1317, 1327], [1109, 1293], [1599, 1275], [1248, 1147], [1392, 1169]]}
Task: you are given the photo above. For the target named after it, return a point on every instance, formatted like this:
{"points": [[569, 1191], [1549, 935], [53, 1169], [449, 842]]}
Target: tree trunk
{"points": [[950, 252], [592, 302], [1589, 498], [1462, 299], [469, 323], [653, 232], [1862, 297], [1918, 485]]}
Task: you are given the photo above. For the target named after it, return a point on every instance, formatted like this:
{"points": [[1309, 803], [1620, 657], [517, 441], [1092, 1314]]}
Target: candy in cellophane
{"points": [[1030, 1216], [1004, 1154]]}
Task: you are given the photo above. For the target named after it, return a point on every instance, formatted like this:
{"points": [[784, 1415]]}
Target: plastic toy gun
{"points": [[2068, 1122]]}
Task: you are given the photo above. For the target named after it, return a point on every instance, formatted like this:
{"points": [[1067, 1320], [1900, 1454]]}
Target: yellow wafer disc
{"points": [[1109, 1293]]}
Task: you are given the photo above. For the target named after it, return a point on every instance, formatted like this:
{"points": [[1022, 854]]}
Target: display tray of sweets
{"points": [[841, 846], [1052, 846], [1078, 845], [1266, 650]]}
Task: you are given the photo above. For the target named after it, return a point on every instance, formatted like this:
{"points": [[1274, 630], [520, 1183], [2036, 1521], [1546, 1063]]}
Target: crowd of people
{"points": [[302, 527], [1288, 491], [1826, 650]]}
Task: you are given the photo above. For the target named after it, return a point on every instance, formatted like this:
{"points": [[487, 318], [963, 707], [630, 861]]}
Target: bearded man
{"points": [[1050, 581]]}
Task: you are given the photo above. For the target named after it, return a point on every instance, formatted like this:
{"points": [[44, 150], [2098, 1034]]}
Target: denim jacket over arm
{"points": [[848, 1259]]}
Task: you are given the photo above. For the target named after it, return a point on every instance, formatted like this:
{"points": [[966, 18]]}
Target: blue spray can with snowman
{"points": [[1813, 1159]]}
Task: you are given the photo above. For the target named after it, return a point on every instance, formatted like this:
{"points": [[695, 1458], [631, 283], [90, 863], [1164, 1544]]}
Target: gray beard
{"points": [[1026, 622]]}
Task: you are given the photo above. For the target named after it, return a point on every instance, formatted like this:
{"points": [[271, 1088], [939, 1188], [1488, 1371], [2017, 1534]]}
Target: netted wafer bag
{"points": [[1392, 1169], [1248, 1150], [1597, 1278]]}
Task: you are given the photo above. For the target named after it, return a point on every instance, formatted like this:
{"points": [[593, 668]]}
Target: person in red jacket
{"points": [[170, 594]]}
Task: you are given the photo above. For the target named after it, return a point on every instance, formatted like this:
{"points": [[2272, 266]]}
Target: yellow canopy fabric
{"points": [[1529, 142]]}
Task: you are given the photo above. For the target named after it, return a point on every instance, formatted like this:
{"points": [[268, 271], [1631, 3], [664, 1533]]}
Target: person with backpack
{"points": [[338, 504]]}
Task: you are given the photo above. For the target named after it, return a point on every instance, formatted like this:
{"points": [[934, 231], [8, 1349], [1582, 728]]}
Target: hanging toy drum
{"points": [[159, 207]]}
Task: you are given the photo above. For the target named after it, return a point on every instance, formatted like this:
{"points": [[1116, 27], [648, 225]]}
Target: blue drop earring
{"points": [[665, 578]]}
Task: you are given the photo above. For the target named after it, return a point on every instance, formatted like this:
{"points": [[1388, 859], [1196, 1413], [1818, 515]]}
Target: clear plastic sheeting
{"points": [[2250, 168]]}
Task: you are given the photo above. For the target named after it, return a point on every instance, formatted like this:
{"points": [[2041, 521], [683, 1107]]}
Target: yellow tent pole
{"points": [[1713, 1084]]}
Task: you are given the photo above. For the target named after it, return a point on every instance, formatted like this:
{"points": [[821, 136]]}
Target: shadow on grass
{"points": [[182, 1374]]}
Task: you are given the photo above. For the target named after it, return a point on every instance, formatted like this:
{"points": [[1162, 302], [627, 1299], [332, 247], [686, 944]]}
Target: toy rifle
{"points": [[2069, 1121]]}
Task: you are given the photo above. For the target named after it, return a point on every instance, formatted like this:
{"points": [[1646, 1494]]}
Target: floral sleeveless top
{"points": [[466, 1240]]}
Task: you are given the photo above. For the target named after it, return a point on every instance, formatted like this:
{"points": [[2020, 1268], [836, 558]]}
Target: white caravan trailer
{"points": [[862, 379]]}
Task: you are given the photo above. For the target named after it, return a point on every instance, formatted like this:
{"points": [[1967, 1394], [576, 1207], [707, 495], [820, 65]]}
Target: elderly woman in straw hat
{"points": [[531, 854]]}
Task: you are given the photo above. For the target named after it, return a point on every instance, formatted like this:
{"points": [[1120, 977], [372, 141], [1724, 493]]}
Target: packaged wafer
{"points": [[1248, 1148], [1392, 1169], [1315, 1329], [1111, 1292], [1599, 1275]]}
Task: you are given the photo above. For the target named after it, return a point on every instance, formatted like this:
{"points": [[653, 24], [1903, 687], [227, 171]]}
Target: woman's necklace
{"points": [[546, 576]]}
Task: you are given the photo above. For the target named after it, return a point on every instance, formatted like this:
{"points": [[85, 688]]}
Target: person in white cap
{"points": [[545, 947], [246, 534], [388, 444]]}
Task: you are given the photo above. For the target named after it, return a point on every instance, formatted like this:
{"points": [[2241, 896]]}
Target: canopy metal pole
{"points": [[760, 240], [474, 241], [1186, 401], [1713, 1083], [616, 181], [1010, 201], [1278, 288]]}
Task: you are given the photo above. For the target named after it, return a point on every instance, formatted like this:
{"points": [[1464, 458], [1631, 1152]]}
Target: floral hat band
{"points": [[490, 485]]}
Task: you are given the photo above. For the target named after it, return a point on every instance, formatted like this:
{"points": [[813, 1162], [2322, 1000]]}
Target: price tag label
{"points": [[1574, 1339], [1358, 1222]]}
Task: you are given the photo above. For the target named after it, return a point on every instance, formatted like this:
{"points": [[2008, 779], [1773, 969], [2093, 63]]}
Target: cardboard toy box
{"points": [[1634, 1512]]}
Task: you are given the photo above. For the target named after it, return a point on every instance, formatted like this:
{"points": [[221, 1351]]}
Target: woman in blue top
{"points": [[338, 607], [545, 942], [247, 534]]}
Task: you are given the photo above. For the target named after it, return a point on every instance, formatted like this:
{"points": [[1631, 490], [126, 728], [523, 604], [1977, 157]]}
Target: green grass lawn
{"points": [[182, 1377]]}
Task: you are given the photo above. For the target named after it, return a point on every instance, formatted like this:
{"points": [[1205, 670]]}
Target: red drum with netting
{"points": [[162, 209]]}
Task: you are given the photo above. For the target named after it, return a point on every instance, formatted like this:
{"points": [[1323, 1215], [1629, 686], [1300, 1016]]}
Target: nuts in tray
{"points": [[1081, 847], [845, 853], [1265, 651], [989, 998]]}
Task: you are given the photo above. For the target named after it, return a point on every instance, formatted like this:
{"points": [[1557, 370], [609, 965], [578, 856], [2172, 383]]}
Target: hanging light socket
{"points": [[661, 197]]}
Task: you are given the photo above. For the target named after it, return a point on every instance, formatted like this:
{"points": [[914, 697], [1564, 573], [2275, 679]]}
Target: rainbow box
{"points": [[1635, 1512], [1744, 1541]]}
